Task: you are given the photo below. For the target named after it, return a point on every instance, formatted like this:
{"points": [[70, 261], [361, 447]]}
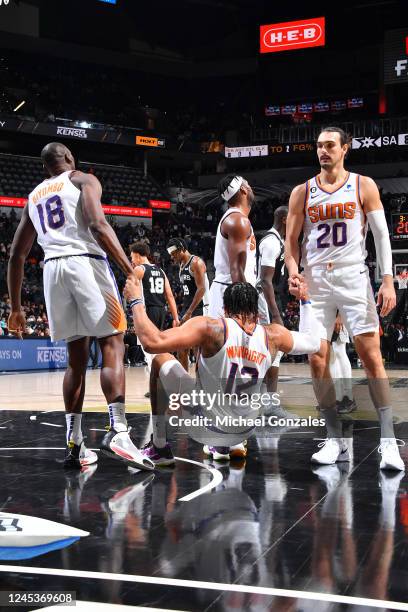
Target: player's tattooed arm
{"points": [[91, 192], [196, 332], [20, 248], [198, 268], [294, 227], [237, 229]]}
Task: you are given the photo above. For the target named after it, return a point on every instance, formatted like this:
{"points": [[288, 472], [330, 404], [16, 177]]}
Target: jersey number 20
{"points": [[338, 236], [55, 213]]}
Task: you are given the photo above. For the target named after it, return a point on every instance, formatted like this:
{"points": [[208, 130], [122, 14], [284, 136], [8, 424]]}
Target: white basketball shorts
{"points": [[82, 298], [346, 289]]}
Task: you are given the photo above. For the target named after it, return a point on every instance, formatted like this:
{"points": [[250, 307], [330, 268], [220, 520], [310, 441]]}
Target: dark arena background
{"points": [[159, 101]]}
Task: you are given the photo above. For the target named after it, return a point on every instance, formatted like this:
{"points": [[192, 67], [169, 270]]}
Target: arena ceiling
{"points": [[205, 29]]}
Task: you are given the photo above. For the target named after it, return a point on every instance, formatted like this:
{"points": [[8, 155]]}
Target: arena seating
{"points": [[121, 185]]}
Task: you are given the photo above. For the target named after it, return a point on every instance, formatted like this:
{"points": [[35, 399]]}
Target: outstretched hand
{"points": [[298, 286], [133, 289]]}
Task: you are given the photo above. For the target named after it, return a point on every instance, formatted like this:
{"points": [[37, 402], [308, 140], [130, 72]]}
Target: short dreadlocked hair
{"points": [[241, 299]]}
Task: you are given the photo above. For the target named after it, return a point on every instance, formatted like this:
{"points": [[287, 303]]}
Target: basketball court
{"points": [[273, 532]]}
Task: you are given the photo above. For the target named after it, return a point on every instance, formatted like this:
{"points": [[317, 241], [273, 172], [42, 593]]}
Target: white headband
{"points": [[233, 188], [171, 249]]}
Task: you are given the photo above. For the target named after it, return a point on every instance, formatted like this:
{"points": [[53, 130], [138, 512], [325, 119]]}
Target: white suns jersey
{"points": [[334, 229], [221, 259], [56, 212], [239, 366]]}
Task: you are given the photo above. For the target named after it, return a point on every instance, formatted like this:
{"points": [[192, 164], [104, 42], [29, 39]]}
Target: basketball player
{"points": [[270, 275], [332, 210], [234, 347], [156, 290], [81, 295], [235, 246], [194, 280], [156, 287]]}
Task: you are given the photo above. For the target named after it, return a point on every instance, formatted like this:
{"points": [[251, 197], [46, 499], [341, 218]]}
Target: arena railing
{"points": [[288, 134]]}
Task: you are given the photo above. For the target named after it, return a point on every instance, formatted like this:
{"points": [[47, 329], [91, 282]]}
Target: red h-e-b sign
{"points": [[293, 35]]}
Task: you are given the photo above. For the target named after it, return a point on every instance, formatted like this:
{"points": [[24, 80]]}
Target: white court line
{"points": [[212, 586], [22, 448], [217, 478], [50, 424]]}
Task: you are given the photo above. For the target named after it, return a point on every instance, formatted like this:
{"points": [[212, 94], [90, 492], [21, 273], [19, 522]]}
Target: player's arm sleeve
{"points": [[378, 225], [307, 340]]}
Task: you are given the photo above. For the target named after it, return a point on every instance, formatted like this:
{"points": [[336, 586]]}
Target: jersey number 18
{"points": [[156, 285], [55, 213]]}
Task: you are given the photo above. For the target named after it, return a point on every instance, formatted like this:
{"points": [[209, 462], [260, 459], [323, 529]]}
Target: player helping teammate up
{"points": [[235, 350]]}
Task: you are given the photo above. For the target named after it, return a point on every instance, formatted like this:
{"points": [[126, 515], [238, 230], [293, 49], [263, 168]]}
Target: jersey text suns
{"points": [[332, 211]]}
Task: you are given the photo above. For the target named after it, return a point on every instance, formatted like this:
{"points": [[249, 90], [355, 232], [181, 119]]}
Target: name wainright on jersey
{"points": [[335, 225]]}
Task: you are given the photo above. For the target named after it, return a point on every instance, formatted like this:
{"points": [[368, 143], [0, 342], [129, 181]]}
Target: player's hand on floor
{"points": [[386, 299], [132, 288], [176, 323], [17, 323]]}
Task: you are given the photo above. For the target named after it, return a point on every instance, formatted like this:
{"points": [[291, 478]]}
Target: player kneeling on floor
{"points": [[236, 354]]}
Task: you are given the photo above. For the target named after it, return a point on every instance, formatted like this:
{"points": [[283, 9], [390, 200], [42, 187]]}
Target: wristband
{"points": [[135, 302], [303, 302]]}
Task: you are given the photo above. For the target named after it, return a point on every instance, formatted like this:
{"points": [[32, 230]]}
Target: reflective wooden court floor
{"points": [[272, 532]]}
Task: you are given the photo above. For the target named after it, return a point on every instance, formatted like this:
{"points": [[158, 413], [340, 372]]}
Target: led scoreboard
{"points": [[399, 226]]}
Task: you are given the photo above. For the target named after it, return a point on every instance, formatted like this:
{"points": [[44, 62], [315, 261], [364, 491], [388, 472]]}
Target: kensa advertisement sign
{"points": [[292, 35]]}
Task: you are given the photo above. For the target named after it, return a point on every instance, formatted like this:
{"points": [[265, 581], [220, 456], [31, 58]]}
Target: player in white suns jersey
{"points": [[236, 354], [235, 245], [333, 210], [65, 214]]}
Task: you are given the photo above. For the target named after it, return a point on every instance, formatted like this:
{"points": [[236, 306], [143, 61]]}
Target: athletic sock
{"points": [[333, 423], [74, 432], [159, 430], [117, 416], [386, 423]]}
